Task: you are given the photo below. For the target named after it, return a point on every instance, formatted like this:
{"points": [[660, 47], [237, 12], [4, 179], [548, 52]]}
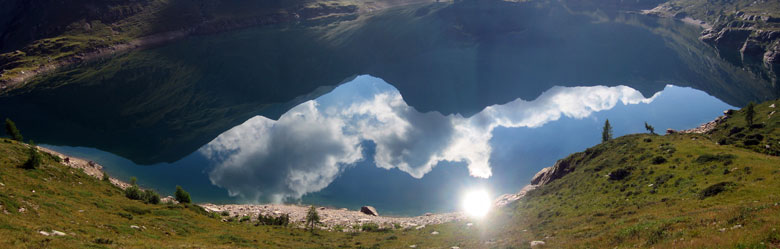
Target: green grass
{"points": [[703, 195], [95, 214]]}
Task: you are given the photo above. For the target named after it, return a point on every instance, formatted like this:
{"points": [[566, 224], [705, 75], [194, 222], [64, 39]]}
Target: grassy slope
{"points": [[587, 209], [765, 131], [61, 192]]}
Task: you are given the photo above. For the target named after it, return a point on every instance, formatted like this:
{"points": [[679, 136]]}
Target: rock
{"points": [[369, 210], [752, 47], [537, 243], [43, 233], [57, 233], [21, 210], [428, 214], [135, 227], [322, 208], [671, 131], [413, 246], [728, 112], [434, 233], [419, 227], [455, 247], [770, 106], [549, 174]]}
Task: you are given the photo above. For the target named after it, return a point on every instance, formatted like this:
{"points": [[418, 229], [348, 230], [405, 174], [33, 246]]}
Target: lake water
{"points": [[404, 109]]}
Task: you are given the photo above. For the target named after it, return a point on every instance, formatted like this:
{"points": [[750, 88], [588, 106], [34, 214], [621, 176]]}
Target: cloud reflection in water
{"points": [[310, 145]]}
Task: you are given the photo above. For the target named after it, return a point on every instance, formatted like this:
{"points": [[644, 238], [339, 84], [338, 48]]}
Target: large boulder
{"points": [[369, 210]]}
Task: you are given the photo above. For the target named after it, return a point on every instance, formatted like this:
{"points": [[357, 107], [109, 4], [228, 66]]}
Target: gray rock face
{"points": [[549, 174], [369, 210]]}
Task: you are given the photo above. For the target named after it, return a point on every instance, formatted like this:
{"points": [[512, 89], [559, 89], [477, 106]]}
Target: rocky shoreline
{"points": [[343, 220]]}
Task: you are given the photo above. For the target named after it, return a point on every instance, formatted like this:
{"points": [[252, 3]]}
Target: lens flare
{"points": [[476, 203]]}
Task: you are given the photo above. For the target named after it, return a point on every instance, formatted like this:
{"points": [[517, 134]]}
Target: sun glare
{"points": [[476, 203]]}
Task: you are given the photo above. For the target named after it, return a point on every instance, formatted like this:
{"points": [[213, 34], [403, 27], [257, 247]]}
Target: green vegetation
{"points": [[12, 131], [34, 158], [749, 113], [762, 136], [312, 218], [649, 128], [606, 134], [182, 196], [95, 214], [672, 191]]}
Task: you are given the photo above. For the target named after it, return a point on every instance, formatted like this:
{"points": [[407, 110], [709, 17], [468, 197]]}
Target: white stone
{"points": [[419, 227], [434, 233], [43, 233], [772, 106], [413, 246], [537, 243], [135, 227], [57, 233]]}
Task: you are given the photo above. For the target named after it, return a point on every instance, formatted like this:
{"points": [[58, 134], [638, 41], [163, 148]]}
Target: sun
{"points": [[476, 203]]}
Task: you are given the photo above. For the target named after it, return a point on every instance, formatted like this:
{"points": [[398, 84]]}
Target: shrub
{"points": [[34, 160], [713, 158], [282, 220], [649, 128], [225, 213], [182, 196], [106, 178], [658, 160], [369, 227], [619, 174], [134, 193], [715, 189], [133, 180], [10, 129], [244, 218], [103, 241], [663, 179], [151, 197]]}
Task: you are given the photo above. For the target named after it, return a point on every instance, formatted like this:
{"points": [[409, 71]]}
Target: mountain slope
{"points": [[642, 190]]}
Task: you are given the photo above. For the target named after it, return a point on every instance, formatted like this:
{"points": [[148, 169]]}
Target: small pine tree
{"points": [[312, 218], [606, 134], [10, 129], [650, 128], [133, 180], [182, 196], [749, 113], [34, 160]]}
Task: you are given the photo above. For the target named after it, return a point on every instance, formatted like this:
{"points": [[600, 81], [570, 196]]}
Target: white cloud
{"points": [[308, 147]]}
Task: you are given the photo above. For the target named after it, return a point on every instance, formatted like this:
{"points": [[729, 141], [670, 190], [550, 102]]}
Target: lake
{"points": [[403, 109]]}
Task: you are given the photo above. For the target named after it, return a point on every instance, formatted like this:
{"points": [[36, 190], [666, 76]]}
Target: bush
{"points": [[182, 196], [268, 220], [659, 160], [244, 218], [370, 227], [134, 193], [619, 174], [103, 241], [225, 213], [35, 158], [714, 158], [715, 189], [106, 178], [10, 129], [151, 197]]}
